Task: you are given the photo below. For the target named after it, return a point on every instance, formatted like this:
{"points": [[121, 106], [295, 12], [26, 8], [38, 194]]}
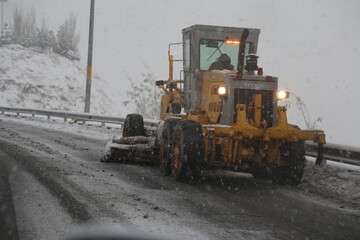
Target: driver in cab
{"points": [[223, 62]]}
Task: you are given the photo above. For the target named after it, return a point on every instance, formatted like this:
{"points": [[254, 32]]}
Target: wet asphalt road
{"points": [[8, 228], [83, 190]]}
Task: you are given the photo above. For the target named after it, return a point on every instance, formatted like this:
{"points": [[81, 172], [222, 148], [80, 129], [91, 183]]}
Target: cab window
{"points": [[211, 50]]}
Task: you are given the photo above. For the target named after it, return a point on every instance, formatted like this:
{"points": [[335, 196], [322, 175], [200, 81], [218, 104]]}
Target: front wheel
{"points": [[188, 151], [294, 155], [133, 126], [166, 145]]}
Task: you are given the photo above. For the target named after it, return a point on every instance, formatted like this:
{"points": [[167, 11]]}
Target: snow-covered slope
{"points": [[29, 78]]}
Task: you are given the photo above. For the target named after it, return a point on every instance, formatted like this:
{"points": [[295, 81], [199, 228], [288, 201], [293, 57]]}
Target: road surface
{"points": [[51, 180]]}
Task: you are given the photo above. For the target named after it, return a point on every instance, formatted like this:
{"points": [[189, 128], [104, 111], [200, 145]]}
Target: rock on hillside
{"points": [[32, 79]]}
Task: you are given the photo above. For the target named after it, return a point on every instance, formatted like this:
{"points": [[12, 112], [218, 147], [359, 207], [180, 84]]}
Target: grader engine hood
{"points": [[252, 91], [250, 109]]}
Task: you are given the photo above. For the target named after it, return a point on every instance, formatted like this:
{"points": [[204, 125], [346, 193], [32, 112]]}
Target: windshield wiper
{"points": [[217, 49]]}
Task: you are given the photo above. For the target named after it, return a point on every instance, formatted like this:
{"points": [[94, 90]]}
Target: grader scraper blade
{"points": [[128, 149]]}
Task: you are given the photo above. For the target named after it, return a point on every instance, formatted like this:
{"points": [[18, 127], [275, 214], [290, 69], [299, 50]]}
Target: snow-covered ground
{"points": [[33, 79], [89, 130], [337, 181]]}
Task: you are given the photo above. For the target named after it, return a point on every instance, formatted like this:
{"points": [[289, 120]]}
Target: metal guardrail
{"points": [[333, 152], [80, 117]]}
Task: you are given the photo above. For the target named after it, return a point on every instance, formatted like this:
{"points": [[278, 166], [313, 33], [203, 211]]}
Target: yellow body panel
{"points": [[211, 102], [167, 99]]}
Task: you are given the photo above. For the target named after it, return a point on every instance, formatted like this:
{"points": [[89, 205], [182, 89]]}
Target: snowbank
{"points": [[89, 130], [334, 181], [31, 79]]}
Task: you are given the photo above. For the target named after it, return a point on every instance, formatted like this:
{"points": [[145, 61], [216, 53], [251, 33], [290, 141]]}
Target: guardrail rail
{"points": [[335, 152], [81, 117]]}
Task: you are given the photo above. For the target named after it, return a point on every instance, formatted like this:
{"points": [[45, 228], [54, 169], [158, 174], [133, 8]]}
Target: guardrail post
{"points": [[320, 161], [48, 117]]}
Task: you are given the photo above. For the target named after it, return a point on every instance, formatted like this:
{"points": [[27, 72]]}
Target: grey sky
{"points": [[312, 46]]}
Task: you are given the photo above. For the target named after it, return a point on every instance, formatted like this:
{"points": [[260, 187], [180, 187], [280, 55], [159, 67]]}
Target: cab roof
{"points": [[214, 28]]}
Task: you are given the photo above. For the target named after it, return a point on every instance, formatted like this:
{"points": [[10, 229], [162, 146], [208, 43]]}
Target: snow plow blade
{"points": [[127, 149]]}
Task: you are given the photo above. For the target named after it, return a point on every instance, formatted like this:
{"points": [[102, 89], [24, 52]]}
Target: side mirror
{"points": [[160, 83]]}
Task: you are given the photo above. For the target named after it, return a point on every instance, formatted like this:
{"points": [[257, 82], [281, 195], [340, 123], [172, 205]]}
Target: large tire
{"points": [[294, 154], [188, 151], [133, 126], [166, 145]]}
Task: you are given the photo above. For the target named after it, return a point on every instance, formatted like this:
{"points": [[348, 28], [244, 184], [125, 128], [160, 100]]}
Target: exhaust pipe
{"points": [[241, 56]]}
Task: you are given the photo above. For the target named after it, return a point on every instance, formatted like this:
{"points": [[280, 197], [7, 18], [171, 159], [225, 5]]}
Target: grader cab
{"points": [[226, 113]]}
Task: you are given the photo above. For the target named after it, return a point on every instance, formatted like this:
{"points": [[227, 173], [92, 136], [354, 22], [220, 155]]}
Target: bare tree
{"points": [[67, 37], [29, 29], [43, 37], [18, 18], [300, 105], [53, 41], [145, 97], [28, 34], [25, 29]]}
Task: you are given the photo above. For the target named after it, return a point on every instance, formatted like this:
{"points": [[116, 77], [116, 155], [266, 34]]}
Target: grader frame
{"points": [[228, 131], [219, 114]]}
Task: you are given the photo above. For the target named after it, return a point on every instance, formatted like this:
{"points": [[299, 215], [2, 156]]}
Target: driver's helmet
{"points": [[225, 59]]}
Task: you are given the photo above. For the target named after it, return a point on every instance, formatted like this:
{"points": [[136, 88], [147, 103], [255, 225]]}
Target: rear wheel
{"points": [[294, 154], [133, 126], [188, 151], [166, 146]]}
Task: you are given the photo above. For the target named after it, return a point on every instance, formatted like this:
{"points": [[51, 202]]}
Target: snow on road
{"points": [[337, 181], [37, 209], [93, 130], [223, 207]]}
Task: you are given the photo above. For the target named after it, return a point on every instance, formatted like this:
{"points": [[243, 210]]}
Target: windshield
{"points": [[214, 51]]}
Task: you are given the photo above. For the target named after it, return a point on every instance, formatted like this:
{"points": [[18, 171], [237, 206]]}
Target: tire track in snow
{"points": [[50, 179]]}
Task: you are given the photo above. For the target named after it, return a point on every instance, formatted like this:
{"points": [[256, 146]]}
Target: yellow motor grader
{"points": [[224, 113]]}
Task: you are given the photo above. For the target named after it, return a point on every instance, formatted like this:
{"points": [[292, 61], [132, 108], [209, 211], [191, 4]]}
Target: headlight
{"points": [[221, 91], [282, 95]]}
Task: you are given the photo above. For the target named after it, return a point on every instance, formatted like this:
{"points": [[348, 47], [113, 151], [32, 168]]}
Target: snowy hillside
{"points": [[29, 78]]}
